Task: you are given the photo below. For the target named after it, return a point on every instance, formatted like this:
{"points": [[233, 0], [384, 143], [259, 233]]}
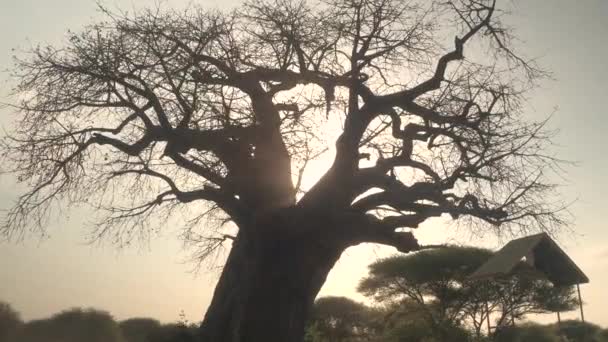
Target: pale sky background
{"points": [[40, 278]]}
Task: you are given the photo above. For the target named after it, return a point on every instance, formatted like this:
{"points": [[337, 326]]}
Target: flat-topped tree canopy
{"points": [[539, 251]]}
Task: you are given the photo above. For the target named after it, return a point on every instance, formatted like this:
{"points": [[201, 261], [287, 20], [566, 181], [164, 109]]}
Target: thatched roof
{"points": [[540, 252]]}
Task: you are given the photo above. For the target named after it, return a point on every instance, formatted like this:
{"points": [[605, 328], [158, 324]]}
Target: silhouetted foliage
{"points": [[139, 329], [581, 331], [568, 331], [422, 331], [90, 325], [336, 319], [437, 281], [10, 322], [75, 325], [153, 113], [175, 333], [342, 319], [604, 334], [527, 333]]}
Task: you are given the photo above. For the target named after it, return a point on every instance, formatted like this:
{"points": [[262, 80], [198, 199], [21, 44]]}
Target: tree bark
{"points": [[269, 283]]}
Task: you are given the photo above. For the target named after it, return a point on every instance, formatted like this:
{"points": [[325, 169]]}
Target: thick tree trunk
{"points": [[269, 284]]}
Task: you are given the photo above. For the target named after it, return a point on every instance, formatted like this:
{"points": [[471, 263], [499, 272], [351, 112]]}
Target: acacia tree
{"points": [[437, 282], [216, 114]]}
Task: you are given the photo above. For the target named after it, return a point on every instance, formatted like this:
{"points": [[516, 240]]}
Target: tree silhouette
{"points": [[435, 282], [216, 114]]}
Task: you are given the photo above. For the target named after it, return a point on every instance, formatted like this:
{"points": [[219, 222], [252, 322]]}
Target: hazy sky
{"points": [[41, 278]]}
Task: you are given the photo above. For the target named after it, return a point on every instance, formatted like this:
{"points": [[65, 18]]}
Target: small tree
{"points": [[437, 280], [214, 116]]}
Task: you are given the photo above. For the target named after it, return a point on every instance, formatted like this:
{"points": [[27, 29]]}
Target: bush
{"points": [[581, 331], [175, 333], [139, 329], [420, 331], [527, 333]]}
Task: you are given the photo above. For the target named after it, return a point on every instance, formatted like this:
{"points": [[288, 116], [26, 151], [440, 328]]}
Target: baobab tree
{"points": [[216, 114]]}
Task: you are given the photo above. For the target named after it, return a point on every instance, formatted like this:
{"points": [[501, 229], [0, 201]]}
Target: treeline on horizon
{"points": [[335, 319], [90, 325], [341, 319], [420, 297]]}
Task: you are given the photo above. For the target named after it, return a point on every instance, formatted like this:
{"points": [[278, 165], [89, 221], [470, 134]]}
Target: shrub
{"points": [[581, 331], [139, 329], [527, 333]]}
